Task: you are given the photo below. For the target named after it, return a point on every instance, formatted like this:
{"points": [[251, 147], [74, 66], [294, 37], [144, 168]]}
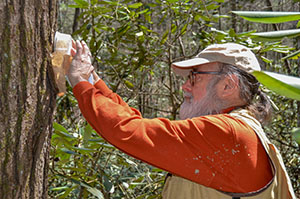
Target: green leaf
{"points": [[58, 188], [68, 151], [266, 60], [92, 190], [129, 84], [296, 134], [83, 150], [96, 193], [197, 17], [113, 3], [109, 187], [80, 4], [66, 193], [59, 127], [275, 35], [87, 134], [212, 7], [294, 55], [164, 37], [135, 5], [62, 131], [268, 17], [298, 24], [94, 2], [183, 29], [284, 85], [173, 28]]}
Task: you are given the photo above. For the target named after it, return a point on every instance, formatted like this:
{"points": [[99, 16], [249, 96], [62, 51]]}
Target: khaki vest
{"points": [[279, 188]]}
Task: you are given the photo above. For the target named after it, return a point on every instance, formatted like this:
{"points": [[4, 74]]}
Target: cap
{"points": [[229, 53]]}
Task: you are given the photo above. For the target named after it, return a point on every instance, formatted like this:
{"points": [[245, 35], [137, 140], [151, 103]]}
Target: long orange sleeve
{"points": [[217, 151]]}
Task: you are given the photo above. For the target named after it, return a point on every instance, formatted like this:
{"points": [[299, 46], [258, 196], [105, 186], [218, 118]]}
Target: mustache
{"points": [[187, 94]]}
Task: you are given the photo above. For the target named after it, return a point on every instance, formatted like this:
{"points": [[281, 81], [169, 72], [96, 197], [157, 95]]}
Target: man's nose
{"points": [[187, 86]]}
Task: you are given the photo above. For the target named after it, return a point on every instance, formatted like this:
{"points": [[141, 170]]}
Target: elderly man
{"points": [[218, 149]]}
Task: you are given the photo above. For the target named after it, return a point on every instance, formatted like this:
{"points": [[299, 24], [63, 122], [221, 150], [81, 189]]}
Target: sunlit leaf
{"points": [[58, 188], [294, 55], [268, 17], [129, 84], [266, 59], [92, 190], [135, 5], [114, 3], [164, 37], [298, 24], [80, 4], [281, 84], [96, 193], [87, 134], [296, 134], [59, 127], [66, 193], [275, 35], [212, 7], [183, 29], [62, 131], [139, 34]]}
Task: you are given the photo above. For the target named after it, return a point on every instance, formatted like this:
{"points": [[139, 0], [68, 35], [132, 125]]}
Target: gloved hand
{"points": [[81, 65]]}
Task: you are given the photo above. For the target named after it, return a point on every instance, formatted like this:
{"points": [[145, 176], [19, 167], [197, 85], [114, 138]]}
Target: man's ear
{"points": [[229, 86]]}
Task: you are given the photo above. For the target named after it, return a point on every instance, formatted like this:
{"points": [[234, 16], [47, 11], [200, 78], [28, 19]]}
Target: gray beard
{"points": [[209, 105]]}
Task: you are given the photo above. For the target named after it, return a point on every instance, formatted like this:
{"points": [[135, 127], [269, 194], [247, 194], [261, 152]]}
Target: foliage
{"points": [[268, 17], [85, 166], [282, 84], [286, 86], [133, 44]]}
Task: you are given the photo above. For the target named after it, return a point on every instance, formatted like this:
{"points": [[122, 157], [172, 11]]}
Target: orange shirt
{"points": [[217, 151]]}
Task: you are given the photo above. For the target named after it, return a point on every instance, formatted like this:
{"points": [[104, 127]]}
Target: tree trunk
{"points": [[27, 96]]}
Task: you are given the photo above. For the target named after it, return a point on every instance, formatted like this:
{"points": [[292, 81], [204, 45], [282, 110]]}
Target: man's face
{"points": [[200, 99]]}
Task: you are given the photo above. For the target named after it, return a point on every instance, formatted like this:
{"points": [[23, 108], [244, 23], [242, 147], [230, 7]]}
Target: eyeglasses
{"points": [[192, 75]]}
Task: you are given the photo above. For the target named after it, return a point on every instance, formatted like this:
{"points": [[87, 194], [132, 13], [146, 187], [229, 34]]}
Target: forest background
{"points": [[133, 44]]}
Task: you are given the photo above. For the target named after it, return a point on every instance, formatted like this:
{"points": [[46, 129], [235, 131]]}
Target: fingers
{"points": [[86, 50], [79, 48], [73, 49], [73, 44], [91, 69], [73, 52]]}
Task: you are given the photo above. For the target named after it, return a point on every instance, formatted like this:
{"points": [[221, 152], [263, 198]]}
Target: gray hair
{"points": [[256, 101]]}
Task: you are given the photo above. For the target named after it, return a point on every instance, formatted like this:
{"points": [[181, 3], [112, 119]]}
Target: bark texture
{"points": [[27, 96]]}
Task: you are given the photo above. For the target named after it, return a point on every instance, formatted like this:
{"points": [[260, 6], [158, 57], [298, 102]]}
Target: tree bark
{"points": [[27, 96]]}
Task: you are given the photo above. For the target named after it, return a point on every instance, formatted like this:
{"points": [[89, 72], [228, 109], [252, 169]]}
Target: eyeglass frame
{"points": [[192, 75]]}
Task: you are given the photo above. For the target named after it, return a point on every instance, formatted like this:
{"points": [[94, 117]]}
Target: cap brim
{"points": [[183, 68]]}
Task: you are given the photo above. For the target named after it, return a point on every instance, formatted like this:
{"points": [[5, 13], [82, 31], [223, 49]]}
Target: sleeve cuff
{"points": [[83, 86]]}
